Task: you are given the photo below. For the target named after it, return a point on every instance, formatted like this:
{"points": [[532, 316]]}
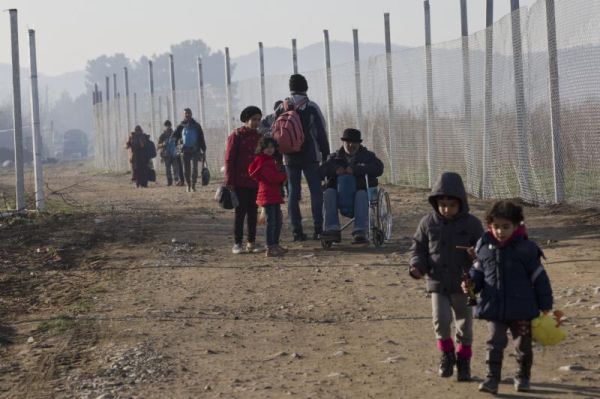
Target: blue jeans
{"points": [[311, 173], [361, 211], [171, 168], [274, 222]]}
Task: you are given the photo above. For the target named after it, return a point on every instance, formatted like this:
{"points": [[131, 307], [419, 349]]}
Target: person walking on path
{"points": [[167, 146], [265, 171], [193, 147], [443, 250], [315, 149], [141, 149], [239, 154]]}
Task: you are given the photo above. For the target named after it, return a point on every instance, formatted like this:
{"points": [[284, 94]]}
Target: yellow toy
{"points": [[546, 329]]}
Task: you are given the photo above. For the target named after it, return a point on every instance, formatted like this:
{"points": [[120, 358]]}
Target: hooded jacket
{"points": [[316, 143], [192, 124], [265, 171], [239, 154], [364, 162], [434, 250], [511, 279]]}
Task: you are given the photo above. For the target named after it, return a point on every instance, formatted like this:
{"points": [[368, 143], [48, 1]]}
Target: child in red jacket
{"points": [[264, 170]]}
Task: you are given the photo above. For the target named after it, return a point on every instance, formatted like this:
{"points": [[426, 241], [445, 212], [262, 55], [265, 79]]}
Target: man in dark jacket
{"points": [[314, 149], [355, 160], [442, 250], [193, 147]]}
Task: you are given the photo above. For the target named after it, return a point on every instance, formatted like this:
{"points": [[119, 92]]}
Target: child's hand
{"points": [[415, 273]]}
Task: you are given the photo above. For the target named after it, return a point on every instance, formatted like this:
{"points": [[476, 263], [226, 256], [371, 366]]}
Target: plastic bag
{"points": [[262, 218], [546, 329]]}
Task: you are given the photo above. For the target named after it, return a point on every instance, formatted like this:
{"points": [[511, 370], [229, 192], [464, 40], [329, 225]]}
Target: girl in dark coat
{"points": [[139, 156], [514, 289], [240, 151], [265, 171]]}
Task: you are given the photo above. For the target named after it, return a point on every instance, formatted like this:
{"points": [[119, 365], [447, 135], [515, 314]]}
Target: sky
{"points": [[69, 32]]}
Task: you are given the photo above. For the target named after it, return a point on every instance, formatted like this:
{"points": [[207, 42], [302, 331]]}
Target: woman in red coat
{"points": [[265, 171], [241, 146]]}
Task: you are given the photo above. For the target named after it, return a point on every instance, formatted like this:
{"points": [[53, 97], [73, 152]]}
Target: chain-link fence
{"points": [[494, 116]]}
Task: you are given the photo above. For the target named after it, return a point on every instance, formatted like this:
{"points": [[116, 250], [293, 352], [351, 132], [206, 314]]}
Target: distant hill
{"points": [[278, 60]]}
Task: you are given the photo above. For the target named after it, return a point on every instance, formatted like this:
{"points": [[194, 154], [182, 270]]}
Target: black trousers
{"points": [[521, 336], [190, 166], [246, 210]]}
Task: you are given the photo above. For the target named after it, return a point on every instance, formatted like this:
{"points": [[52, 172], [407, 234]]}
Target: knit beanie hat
{"points": [[298, 83], [249, 112]]}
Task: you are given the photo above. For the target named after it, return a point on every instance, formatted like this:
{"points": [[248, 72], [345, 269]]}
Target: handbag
{"points": [[205, 174], [226, 198]]}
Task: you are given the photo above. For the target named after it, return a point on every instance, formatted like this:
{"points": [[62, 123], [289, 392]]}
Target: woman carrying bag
{"points": [[239, 154]]}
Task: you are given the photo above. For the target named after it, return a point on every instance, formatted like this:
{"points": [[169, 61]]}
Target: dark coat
{"points": [[316, 143], [179, 132], [239, 154], [434, 250], [265, 171], [511, 279], [364, 163]]}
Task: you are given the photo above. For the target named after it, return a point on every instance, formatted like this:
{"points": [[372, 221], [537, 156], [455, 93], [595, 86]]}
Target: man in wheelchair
{"points": [[345, 171]]}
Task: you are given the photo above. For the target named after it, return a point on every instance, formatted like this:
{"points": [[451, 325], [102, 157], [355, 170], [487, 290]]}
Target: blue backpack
{"points": [[190, 137]]}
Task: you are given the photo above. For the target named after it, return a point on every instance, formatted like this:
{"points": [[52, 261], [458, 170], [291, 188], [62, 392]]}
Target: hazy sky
{"points": [[69, 32]]}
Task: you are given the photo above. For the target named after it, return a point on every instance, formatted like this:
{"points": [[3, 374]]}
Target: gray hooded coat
{"points": [[434, 250]]}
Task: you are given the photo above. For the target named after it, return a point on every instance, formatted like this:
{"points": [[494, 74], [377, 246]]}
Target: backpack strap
{"points": [[287, 106]]}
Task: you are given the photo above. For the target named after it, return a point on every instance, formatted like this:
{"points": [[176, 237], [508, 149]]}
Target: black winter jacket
{"points": [[434, 250], [364, 163], [511, 279], [179, 132]]}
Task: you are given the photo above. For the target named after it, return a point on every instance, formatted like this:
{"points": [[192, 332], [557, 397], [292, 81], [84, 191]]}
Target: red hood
{"points": [[258, 162], [520, 231]]}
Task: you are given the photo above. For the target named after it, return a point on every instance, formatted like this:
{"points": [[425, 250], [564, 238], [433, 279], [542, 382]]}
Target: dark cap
{"points": [[298, 83], [352, 135], [168, 123], [249, 112]]}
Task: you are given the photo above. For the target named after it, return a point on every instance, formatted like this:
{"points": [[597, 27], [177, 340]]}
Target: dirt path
{"points": [[134, 293]]}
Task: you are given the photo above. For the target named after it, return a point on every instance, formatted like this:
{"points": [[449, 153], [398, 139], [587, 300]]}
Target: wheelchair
{"points": [[380, 211]]}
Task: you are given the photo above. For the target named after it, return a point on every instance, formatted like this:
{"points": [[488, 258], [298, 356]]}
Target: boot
{"points": [[494, 363], [523, 374], [447, 362], [194, 187], [463, 369]]}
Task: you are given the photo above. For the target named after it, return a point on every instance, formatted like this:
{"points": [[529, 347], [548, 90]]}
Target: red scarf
{"points": [[520, 231]]}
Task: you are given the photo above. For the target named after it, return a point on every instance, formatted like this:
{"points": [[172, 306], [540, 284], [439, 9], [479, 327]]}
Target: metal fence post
{"points": [[486, 186], [472, 184], [228, 89], [17, 118], [117, 127], [127, 102], [523, 174], [35, 123], [330, 123], [118, 155], [357, 81], [173, 93], [105, 132], [151, 87], [430, 111], [160, 112], [201, 104], [135, 111], [169, 110], [559, 178], [261, 63], [390, 94], [294, 56]]}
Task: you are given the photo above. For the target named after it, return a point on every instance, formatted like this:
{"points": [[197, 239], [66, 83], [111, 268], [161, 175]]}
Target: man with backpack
{"points": [[302, 137], [167, 146], [193, 147]]}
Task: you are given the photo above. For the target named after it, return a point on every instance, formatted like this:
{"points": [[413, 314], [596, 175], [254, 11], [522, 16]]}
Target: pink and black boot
{"points": [[463, 363], [448, 360]]}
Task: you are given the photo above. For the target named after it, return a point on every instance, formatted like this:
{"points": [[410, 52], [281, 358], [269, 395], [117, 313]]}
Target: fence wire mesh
{"points": [[511, 149]]}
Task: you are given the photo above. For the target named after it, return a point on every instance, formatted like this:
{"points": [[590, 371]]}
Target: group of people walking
{"points": [[450, 247]]}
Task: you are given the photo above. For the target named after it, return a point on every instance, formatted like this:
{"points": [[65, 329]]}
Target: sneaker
{"points": [[300, 237], [316, 237], [332, 235], [447, 362], [273, 252], [193, 188], [253, 247], [237, 249], [463, 369], [489, 385], [522, 384], [282, 249], [359, 238]]}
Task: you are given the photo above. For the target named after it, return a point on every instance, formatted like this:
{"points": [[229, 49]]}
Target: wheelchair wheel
{"points": [[326, 244], [384, 214], [377, 237]]}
